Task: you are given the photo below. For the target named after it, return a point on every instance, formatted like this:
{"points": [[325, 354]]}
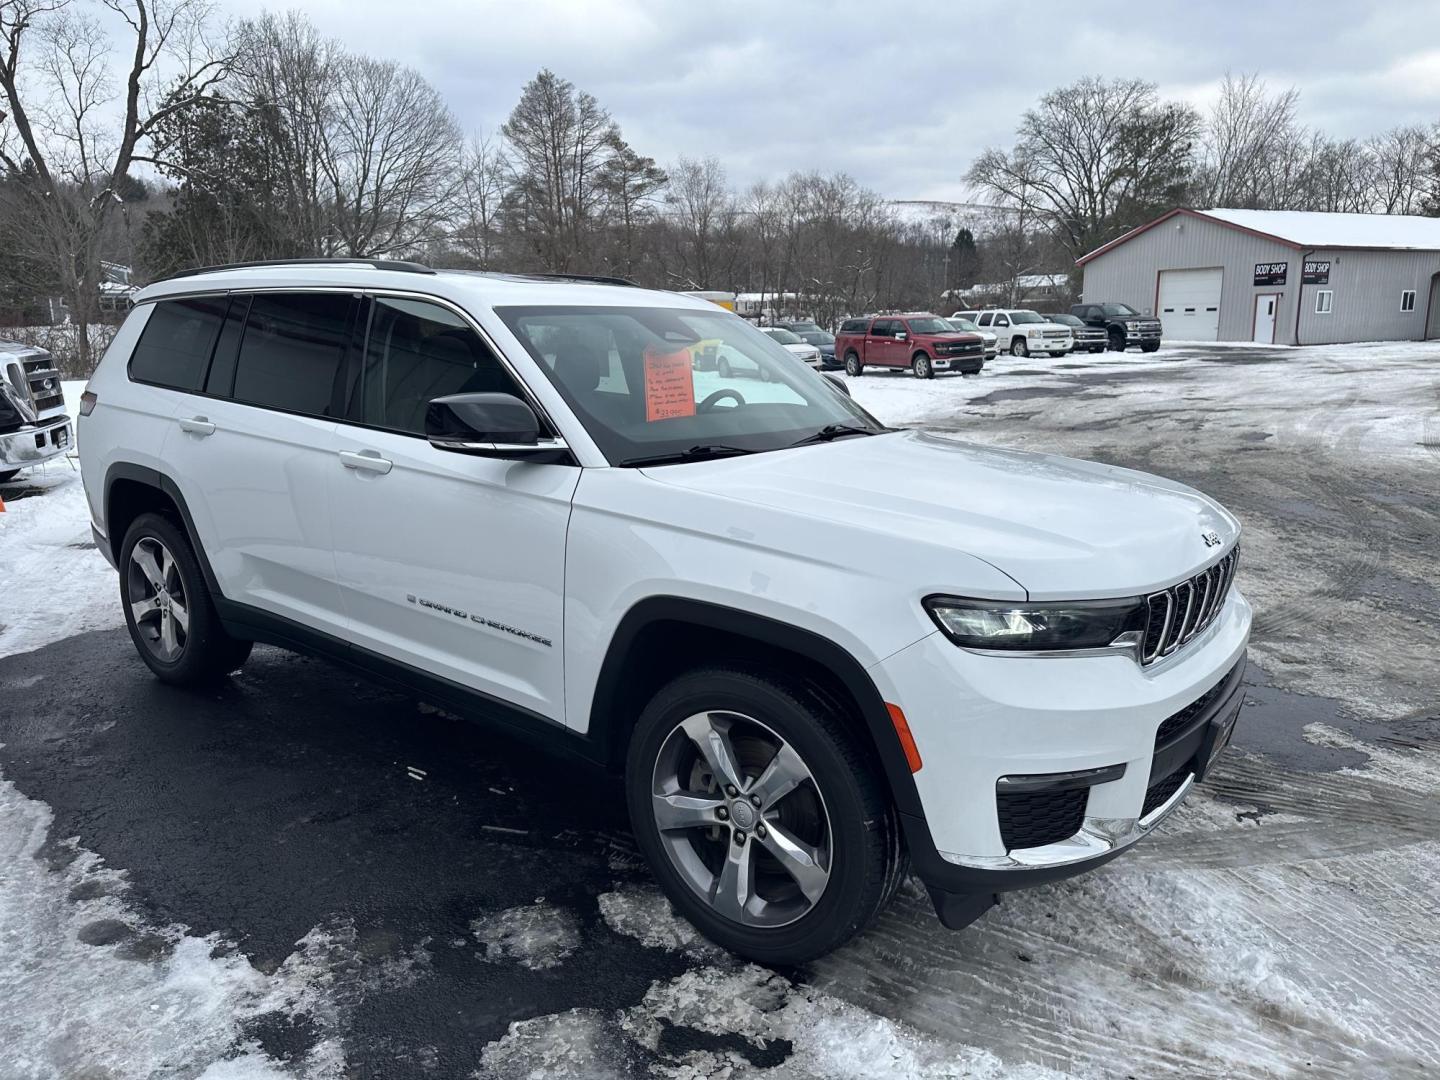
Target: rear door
{"points": [[884, 344], [450, 563]]}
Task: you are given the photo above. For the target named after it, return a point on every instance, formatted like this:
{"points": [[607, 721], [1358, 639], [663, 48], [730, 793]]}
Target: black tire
{"points": [[922, 366], [722, 366], [1018, 346], [853, 367], [1116, 340], [208, 653], [867, 861], [8, 475], [1150, 348], [1097, 350]]}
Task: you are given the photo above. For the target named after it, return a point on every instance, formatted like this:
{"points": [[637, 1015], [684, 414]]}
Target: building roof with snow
{"points": [[1311, 229]]}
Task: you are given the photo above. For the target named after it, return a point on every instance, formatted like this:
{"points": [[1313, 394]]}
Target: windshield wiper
{"points": [[695, 453], [833, 431]]}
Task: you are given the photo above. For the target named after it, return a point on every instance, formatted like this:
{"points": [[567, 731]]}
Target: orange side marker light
{"points": [[907, 741]]}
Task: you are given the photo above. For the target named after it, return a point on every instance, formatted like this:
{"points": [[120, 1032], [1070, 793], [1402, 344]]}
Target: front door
{"points": [[1264, 328], [450, 563]]}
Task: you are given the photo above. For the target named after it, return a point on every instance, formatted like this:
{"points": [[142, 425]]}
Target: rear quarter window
{"points": [[174, 348], [854, 326]]}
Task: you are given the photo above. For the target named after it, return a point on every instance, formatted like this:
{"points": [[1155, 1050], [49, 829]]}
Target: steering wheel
{"points": [[719, 396]]}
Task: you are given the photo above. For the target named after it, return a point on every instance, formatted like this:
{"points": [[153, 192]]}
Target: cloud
{"points": [[902, 96]]}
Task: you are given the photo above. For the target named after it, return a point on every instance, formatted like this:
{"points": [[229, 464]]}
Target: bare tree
{"points": [[57, 67], [482, 190], [391, 160], [631, 182], [1245, 139], [1400, 157], [1093, 159], [700, 205]]}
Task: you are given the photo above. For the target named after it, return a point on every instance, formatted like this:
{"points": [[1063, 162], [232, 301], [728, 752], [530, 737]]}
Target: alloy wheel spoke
{"points": [[139, 609], [144, 558], [733, 884], [179, 613], [712, 739], [169, 644], [783, 775], [682, 810], [797, 859], [167, 564]]}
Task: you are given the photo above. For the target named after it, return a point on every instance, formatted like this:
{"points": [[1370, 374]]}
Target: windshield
{"points": [[928, 325], [1118, 309], [964, 325], [818, 337], [1065, 320], [648, 382], [784, 337], [803, 327], [1019, 318]]}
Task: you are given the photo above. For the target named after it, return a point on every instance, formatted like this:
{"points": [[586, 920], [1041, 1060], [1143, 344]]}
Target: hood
{"points": [[1060, 527], [953, 335]]}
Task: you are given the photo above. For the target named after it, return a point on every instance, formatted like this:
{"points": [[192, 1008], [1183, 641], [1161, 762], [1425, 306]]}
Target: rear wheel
{"points": [[1018, 347], [763, 819], [853, 367], [168, 609], [922, 367]]}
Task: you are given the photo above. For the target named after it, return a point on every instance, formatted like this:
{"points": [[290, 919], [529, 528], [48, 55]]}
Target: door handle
{"points": [[365, 460], [197, 425]]}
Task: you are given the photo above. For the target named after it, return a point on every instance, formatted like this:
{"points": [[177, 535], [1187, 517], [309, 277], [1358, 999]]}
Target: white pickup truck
{"points": [[1021, 332], [33, 424]]}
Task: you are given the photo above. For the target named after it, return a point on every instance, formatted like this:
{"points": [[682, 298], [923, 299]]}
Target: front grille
{"points": [[1035, 818], [44, 383], [1158, 794], [1177, 614], [1057, 333], [960, 348], [1180, 723]]}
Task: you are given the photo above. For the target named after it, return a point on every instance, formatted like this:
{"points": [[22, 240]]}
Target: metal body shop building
{"points": [[1285, 277]]}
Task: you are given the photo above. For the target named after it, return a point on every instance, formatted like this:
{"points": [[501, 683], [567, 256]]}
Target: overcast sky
{"points": [[901, 94]]}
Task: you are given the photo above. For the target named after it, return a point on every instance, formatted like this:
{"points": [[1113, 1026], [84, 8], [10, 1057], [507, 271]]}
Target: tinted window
{"points": [[784, 337], [292, 354], [174, 348], [985, 319], [883, 328], [854, 326], [418, 351]]}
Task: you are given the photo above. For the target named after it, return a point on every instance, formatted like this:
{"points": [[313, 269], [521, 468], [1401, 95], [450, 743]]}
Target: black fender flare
{"points": [[154, 478], [608, 729]]}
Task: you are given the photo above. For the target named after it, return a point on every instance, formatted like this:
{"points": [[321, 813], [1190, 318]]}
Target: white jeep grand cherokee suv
{"points": [[817, 648]]}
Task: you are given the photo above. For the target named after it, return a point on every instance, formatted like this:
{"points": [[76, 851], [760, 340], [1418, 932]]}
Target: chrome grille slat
{"points": [[1190, 606]]}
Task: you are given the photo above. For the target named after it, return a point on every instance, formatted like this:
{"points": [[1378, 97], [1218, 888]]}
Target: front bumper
{"points": [[1092, 721], [969, 364], [1143, 336], [35, 443]]}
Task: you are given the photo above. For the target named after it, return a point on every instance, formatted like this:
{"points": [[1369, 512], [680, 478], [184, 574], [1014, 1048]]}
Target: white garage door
{"points": [[1190, 304]]}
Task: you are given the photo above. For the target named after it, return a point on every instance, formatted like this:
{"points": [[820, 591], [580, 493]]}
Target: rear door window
{"points": [[175, 346], [293, 352]]}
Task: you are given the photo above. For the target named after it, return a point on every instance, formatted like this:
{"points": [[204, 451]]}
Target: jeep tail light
{"points": [[87, 402]]}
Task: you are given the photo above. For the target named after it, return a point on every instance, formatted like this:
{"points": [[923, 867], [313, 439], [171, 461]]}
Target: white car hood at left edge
{"points": [[1063, 528]]}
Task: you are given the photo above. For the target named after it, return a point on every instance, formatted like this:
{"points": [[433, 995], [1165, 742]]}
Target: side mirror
{"points": [[837, 382], [488, 425]]}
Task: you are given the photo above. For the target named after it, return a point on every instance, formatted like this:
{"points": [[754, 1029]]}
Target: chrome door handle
{"points": [[197, 425], [365, 460]]}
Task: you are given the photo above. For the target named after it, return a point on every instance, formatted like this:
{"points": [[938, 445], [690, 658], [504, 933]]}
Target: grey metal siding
{"points": [[1366, 305], [1130, 272]]}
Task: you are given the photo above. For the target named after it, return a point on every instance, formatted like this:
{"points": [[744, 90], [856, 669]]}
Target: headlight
{"points": [[1132, 326], [1032, 333], [1069, 624]]}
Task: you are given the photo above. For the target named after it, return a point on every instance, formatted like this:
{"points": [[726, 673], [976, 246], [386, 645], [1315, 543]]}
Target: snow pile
{"points": [[752, 1022], [644, 914], [536, 936]]}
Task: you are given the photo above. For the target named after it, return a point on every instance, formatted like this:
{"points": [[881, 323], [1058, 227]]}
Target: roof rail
{"points": [[596, 279], [377, 264]]}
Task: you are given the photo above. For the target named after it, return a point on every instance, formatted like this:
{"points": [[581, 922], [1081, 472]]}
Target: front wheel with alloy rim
{"points": [[922, 366], [853, 367], [761, 814], [1018, 347], [168, 609]]}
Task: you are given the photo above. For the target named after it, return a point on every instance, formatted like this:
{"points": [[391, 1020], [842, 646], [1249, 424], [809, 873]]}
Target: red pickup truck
{"points": [[924, 343]]}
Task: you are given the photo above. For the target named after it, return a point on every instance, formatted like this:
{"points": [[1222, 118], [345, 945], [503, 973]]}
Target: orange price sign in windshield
{"points": [[669, 385]]}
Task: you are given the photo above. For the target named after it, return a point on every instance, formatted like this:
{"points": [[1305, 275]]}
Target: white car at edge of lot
{"points": [[1022, 332], [795, 345]]}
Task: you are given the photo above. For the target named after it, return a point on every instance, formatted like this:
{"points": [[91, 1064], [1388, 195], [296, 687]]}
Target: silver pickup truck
{"points": [[33, 424]]}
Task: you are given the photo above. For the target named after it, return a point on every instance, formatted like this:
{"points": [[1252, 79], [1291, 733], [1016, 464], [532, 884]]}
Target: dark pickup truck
{"points": [[1123, 325]]}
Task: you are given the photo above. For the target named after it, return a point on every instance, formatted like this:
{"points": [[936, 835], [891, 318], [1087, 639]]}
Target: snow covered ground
{"points": [[1283, 924]]}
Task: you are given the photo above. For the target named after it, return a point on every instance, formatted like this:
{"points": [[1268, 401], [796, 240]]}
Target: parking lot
{"points": [[305, 875]]}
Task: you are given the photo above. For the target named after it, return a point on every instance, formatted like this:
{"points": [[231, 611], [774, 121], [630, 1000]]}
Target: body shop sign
{"points": [[1315, 272], [1271, 273]]}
